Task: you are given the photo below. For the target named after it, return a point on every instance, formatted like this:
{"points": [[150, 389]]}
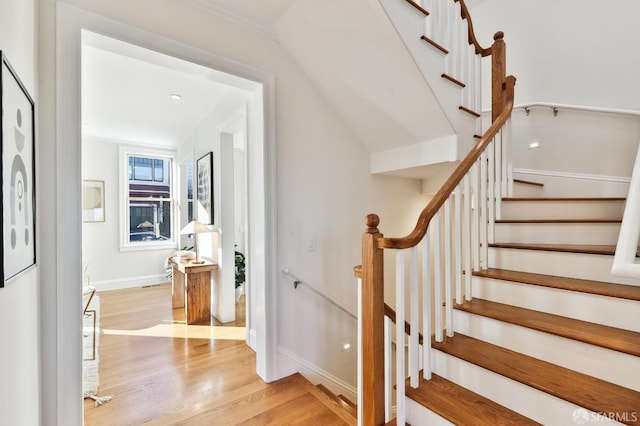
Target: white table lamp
{"points": [[194, 227]]}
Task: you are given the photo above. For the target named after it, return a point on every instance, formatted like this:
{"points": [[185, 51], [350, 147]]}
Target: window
{"points": [[147, 219]]}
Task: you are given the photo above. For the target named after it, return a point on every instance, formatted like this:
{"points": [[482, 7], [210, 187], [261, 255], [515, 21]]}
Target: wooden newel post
{"points": [[498, 75], [372, 324]]}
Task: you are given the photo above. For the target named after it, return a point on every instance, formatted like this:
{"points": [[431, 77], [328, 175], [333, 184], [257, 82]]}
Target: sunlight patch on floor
{"points": [[185, 332]]}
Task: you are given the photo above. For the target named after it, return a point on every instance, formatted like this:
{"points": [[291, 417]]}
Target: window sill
{"points": [[171, 245]]}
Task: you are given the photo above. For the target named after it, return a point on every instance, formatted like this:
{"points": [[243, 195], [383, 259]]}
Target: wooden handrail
{"points": [[464, 12], [456, 177], [389, 312]]}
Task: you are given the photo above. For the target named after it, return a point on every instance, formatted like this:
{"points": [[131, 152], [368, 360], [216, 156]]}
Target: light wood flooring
{"points": [[163, 372]]}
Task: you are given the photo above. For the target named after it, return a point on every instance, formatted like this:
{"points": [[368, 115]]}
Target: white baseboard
{"points": [[120, 284], [252, 339], [316, 375]]}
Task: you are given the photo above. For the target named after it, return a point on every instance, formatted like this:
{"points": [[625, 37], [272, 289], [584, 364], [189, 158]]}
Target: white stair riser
{"points": [[538, 209], [574, 265], [613, 312], [419, 415], [611, 366], [526, 190], [557, 233], [529, 402]]}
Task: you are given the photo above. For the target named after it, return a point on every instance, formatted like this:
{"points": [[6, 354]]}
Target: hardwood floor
{"points": [[162, 372]]}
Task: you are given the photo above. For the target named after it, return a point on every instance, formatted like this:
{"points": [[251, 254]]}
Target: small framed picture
{"points": [[204, 189], [93, 201], [18, 175]]}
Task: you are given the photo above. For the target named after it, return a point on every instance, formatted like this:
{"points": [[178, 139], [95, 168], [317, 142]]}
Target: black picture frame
{"points": [[204, 189], [18, 181]]}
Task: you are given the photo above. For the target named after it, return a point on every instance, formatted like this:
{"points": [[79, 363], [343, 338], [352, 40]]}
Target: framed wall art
{"points": [[17, 138], [93, 208], [204, 189]]}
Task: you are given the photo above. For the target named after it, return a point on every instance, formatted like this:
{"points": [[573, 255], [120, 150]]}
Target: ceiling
{"points": [[126, 93]]}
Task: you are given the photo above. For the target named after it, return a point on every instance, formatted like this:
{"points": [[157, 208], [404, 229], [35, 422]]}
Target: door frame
{"points": [[66, 344]]}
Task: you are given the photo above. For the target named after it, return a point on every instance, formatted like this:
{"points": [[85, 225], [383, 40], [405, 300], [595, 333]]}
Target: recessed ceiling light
{"points": [[175, 96]]}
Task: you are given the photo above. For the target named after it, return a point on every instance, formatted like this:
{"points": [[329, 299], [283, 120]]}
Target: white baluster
{"points": [[467, 235], [470, 74], [442, 22], [400, 370], [478, 88], [475, 225], [437, 282], [414, 317], [458, 244], [388, 369], [454, 52], [508, 148], [428, 21], [360, 402], [498, 165], [483, 210], [491, 196], [447, 268], [463, 44], [426, 305]]}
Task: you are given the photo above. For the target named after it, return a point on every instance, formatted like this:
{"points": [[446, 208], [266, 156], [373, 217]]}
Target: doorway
{"points": [[260, 182]]}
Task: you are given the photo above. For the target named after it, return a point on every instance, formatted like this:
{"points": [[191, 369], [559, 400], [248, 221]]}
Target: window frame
{"points": [[126, 201]]}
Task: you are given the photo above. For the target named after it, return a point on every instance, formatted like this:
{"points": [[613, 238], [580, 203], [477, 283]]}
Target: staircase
{"points": [[539, 343], [506, 304]]}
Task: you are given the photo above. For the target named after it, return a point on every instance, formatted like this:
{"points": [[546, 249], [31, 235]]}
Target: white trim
{"points": [[581, 176], [119, 284], [252, 339], [586, 108], [64, 373], [233, 17], [316, 375]]}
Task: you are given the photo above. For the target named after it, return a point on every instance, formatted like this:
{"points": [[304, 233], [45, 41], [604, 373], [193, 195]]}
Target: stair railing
{"points": [[624, 261], [439, 267]]}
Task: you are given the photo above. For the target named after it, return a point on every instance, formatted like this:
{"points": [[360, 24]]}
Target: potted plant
{"points": [[240, 274]]}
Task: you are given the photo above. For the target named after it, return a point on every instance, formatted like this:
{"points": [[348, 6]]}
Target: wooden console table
{"points": [[191, 289]]}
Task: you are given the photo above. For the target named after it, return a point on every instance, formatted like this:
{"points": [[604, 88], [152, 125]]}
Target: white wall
{"points": [[109, 267], [573, 52], [579, 52], [323, 184], [19, 300]]}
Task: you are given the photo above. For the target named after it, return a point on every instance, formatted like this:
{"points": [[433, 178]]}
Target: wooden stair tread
{"points": [[567, 248], [577, 388], [349, 407], [528, 182], [602, 220], [335, 403], [435, 44], [469, 111], [621, 291], [595, 334], [418, 7], [461, 406], [511, 199], [453, 80], [348, 401]]}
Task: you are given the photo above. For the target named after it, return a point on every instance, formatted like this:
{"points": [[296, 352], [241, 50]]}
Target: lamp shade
{"points": [[195, 227]]}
